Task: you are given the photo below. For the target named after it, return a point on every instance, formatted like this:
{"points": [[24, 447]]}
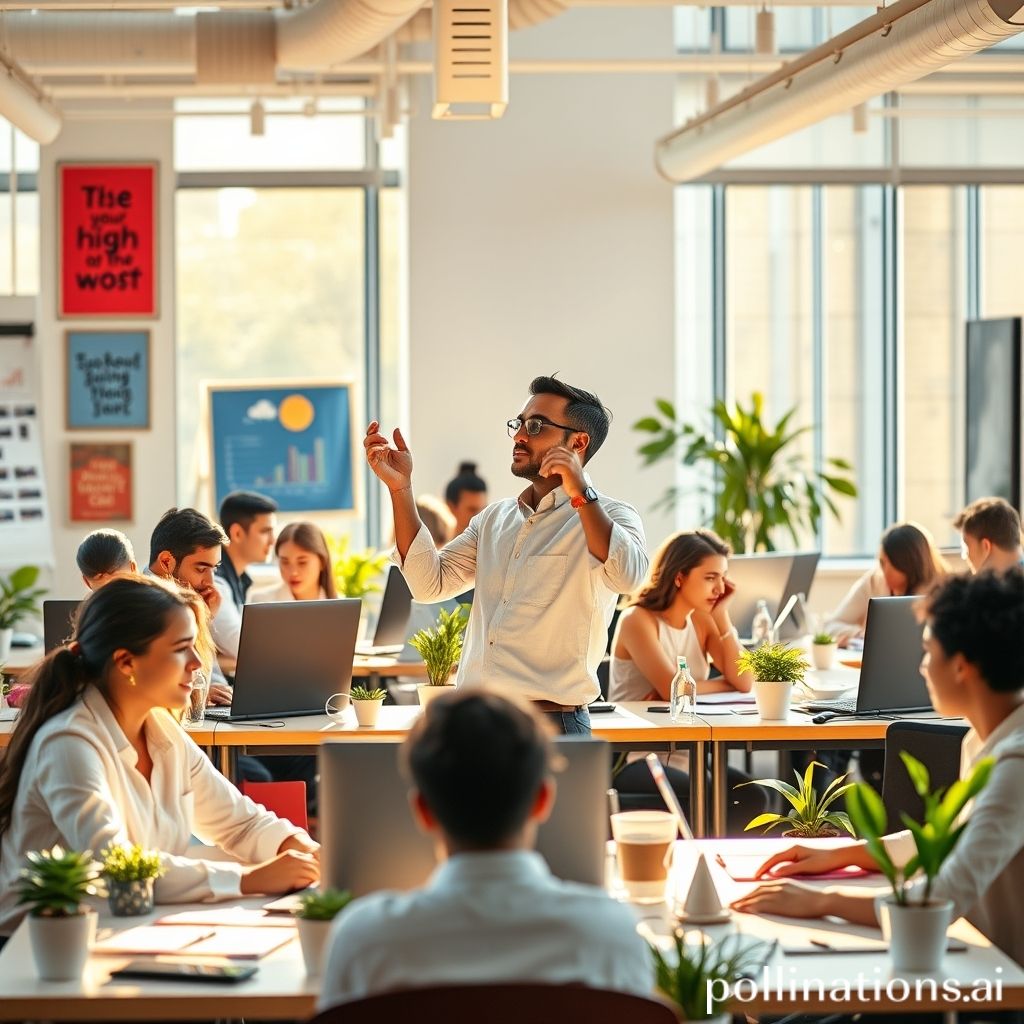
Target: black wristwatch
{"points": [[588, 495]]}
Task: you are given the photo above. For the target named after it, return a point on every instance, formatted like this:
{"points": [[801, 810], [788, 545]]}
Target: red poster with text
{"points": [[107, 240], [101, 483]]}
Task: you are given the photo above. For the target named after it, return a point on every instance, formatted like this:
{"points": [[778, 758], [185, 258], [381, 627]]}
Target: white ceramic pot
{"points": [[823, 655], [772, 699], [313, 940], [367, 711], [427, 692], [5, 644], [60, 945], [916, 934]]}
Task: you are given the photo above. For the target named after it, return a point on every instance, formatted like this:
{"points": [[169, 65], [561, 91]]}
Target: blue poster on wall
{"points": [[107, 379], [291, 442]]}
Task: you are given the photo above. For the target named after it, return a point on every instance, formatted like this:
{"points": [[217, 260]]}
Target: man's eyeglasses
{"points": [[534, 425]]}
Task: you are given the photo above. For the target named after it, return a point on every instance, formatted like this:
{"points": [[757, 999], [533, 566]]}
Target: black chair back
{"points": [[936, 745]]}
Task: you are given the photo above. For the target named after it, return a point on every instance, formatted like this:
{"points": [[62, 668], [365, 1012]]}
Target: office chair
{"points": [[285, 799], [936, 745], [502, 1004]]}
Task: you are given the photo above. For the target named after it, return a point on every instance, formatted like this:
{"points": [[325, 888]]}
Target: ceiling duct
{"points": [[236, 46], [25, 107], [899, 44]]}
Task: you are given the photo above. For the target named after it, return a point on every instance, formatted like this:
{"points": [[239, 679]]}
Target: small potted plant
{"points": [[54, 885], [19, 596], [776, 669], [367, 703], [915, 923], [823, 651], [440, 647], [314, 916], [699, 976], [809, 816], [130, 872]]}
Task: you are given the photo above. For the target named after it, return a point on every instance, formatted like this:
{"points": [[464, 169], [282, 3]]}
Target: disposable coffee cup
{"points": [[643, 840]]}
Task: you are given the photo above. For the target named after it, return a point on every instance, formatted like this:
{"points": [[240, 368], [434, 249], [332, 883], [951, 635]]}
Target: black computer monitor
{"points": [[58, 623]]}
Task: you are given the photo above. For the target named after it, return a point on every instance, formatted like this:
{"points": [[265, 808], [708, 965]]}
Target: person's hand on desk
{"points": [[219, 694], [812, 860], [286, 872], [786, 899], [301, 843]]}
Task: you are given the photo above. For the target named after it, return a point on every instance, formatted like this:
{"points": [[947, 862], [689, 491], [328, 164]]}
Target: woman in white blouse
{"points": [[304, 562], [908, 563], [97, 757], [974, 667], [681, 609]]}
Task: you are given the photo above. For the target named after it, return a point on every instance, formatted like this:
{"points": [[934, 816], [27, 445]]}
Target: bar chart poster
{"points": [[291, 442]]}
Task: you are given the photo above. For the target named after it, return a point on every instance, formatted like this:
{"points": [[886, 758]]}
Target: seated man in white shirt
{"points": [[974, 667], [480, 767]]}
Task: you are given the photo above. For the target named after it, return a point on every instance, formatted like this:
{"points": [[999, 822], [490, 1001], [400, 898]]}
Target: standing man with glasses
{"points": [[547, 566]]}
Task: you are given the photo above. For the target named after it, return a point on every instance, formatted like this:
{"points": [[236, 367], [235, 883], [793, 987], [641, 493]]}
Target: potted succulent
{"points": [[776, 669], [19, 596], [823, 650], [367, 703], [914, 922], [316, 912], [809, 816], [54, 886], [440, 648], [699, 977], [130, 872]]}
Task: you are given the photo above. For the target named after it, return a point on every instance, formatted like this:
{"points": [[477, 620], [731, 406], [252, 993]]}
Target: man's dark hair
{"points": [[465, 479], [585, 410], [991, 519], [242, 507], [478, 760], [182, 531], [982, 618]]}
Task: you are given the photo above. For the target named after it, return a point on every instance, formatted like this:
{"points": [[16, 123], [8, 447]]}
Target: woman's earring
{"points": [[131, 679]]}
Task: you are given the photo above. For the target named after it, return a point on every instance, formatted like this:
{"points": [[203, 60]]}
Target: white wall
{"points": [[154, 449], [544, 242]]}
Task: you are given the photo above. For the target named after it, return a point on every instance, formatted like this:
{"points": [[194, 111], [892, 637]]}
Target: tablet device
{"points": [[184, 970]]}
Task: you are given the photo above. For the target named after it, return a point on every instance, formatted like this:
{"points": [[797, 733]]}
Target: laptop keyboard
{"points": [[219, 712], [842, 704]]}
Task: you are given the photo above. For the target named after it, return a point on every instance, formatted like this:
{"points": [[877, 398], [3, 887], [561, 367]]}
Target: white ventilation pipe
{"points": [[900, 44], [25, 107]]}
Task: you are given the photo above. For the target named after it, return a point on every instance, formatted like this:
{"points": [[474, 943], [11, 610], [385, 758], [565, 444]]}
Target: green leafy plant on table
{"points": [[935, 836], [130, 863], [364, 693], [323, 906], [356, 573], [56, 882], [19, 595], [698, 977], [440, 646], [762, 485], [809, 816], [777, 663], [824, 639]]}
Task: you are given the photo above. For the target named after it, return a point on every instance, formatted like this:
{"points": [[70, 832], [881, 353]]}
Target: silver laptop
{"points": [[773, 578], [292, 656], [393, 620], [890, 669], [370, 842]]}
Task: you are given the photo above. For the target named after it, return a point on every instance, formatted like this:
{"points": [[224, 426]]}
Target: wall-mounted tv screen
{"points": [[993, 409]]}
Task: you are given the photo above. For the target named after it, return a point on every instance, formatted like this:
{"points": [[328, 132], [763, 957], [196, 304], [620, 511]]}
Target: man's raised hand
{"points": [[391, 463]]}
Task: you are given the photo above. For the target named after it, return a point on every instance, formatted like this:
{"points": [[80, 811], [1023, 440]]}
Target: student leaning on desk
{"points": [[98, 758], [974, 667]]}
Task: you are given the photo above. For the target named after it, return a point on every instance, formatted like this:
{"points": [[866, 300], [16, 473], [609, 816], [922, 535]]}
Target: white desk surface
{"points": [[281, 989]]}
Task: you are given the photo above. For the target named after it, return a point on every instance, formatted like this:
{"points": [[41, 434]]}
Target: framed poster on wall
{"points": [[291, 441], [107, 246], [107, 380], [100, 482]]}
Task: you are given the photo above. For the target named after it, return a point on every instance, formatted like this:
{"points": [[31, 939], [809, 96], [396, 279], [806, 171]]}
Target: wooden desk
{"points": [[279, 991], [21, 659], [980, 961]]}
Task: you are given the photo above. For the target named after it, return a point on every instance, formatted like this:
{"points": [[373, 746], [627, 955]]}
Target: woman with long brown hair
{"points": [[681, 609], [304, 561], [97, 757], [908, 563]]}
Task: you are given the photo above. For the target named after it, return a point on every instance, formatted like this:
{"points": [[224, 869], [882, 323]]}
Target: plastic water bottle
{"points": [[763, 628], [682, 695]]}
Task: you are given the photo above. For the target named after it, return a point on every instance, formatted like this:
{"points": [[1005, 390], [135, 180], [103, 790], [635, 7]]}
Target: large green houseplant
{"points": [[916, 926], [762, 485]]}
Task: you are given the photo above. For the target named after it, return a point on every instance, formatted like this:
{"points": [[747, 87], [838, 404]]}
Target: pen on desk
{"points": [[820, 944]]}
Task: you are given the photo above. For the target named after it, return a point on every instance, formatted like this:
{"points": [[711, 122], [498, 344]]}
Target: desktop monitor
{"points": [[774, 578], [370, 841], [58, 623]]}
